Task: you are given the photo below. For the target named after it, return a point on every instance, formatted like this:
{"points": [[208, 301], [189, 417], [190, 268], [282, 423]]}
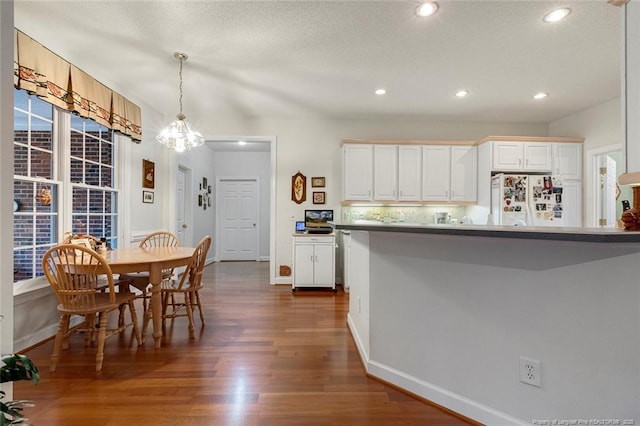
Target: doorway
{"points": [[183, 209], [238, 224], [604, 206]]}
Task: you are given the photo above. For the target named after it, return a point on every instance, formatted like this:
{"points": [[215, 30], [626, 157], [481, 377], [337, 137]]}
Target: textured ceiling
{"points": [[310, 58]]}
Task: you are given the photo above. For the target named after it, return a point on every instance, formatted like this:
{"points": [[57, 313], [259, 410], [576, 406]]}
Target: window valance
{"points": [[54, 80]]}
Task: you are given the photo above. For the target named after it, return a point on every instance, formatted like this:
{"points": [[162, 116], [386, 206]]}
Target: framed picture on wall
{"points": [[317, 182], [148, 174], [318, 197], [147, 197], [298, 188]]}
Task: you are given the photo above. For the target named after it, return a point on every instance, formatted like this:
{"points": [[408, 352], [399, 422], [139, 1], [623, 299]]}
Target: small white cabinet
{"points": [[357, 172], [314, 261], [522, 156]]}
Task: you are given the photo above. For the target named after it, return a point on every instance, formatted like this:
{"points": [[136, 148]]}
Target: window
{"points": [[35, 223], [94, 199], [46, 180]]}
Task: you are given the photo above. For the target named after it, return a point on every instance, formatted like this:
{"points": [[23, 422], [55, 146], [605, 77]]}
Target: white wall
{"points": [[601, 126], [200, 162], [249, 164]]}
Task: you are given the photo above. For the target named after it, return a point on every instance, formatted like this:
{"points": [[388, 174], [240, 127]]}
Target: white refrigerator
{"points": [[534, 200]]}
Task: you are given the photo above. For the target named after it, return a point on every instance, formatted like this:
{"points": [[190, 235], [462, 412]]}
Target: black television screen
{"points": [[317, 218]]}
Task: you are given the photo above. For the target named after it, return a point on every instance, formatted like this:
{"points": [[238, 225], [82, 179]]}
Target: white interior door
{"points": [[181, 206], [606, 196], [239, 221]]}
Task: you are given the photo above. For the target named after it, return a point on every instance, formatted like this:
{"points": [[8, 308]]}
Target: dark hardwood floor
{"points": [[266, 356]]}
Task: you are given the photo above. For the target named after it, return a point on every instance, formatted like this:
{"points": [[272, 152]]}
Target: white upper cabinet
{"points": [[357, 172], [385, 172], [537, 156], [522, 156], [507, 156], [382, 172], [436, 172], [567, 160], [409, 172], [449, 173], [464, 174]]}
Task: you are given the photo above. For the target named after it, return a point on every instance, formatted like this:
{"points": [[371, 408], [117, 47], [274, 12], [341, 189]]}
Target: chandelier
{"points": [[179, 135]]}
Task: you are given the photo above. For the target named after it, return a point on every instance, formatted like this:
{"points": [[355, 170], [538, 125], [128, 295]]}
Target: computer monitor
{"points": [[300, 226], [317, 218]]}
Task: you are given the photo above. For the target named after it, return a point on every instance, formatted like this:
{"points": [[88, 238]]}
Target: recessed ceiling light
{"points": [[380, 92], [242, 143], [462, 93], [427, 9], [556, 15], [540, 95]]}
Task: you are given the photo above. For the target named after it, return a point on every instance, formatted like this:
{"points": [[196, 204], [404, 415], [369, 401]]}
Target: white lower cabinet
{"points": [[314, 261]]}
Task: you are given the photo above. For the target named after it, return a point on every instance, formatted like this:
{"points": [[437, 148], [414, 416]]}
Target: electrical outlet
{"points": [[531, 372]]}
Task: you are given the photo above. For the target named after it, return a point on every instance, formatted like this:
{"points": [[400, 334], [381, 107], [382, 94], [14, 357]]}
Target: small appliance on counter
{"points": [[441, 218], [317, 221]]}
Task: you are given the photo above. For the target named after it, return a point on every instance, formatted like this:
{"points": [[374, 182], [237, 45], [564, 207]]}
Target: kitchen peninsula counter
{"points": [[589, 235], [447, 312]]}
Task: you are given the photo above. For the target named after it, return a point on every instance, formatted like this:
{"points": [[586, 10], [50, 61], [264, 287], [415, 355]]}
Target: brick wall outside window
{"points": [[91, 177]]}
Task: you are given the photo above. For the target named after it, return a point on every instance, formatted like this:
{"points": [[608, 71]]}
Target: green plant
{"points": [[16, 367]]}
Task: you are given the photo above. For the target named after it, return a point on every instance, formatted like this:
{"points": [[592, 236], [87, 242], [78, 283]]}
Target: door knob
{"points": [[184, 226]]}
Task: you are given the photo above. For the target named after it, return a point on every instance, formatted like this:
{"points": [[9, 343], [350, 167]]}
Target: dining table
{"points": [[152, 260]]}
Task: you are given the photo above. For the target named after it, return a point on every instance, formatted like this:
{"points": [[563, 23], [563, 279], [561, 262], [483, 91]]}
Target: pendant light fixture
{"points": [[179, 135]]}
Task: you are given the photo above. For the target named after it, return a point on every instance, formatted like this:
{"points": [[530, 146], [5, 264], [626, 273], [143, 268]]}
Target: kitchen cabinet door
{"points": [[385, 172], [508, 156], [572, 203], [303, 265], [567, 160], [537, 156], [464, 179], [324, 267], [436, 171], [409, 172], [522, 156], [357, 172]]}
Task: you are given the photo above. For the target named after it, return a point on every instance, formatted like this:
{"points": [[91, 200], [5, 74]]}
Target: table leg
{"points": [[155, 278]]}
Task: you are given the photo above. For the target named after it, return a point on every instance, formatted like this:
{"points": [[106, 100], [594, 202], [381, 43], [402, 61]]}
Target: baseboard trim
{"points": [[282, 280], [449, 400], [364, 354]]}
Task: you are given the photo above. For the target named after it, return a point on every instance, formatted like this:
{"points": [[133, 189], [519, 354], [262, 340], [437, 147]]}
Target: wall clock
{"points": [[298, 188]]}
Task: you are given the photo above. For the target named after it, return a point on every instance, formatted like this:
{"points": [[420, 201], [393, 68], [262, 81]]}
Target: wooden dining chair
{"points": [[140, 280], [188, 285], [74, 273]]}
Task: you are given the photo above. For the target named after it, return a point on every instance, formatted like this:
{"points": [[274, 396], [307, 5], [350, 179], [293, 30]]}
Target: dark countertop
{"points": [[588, 235]]}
